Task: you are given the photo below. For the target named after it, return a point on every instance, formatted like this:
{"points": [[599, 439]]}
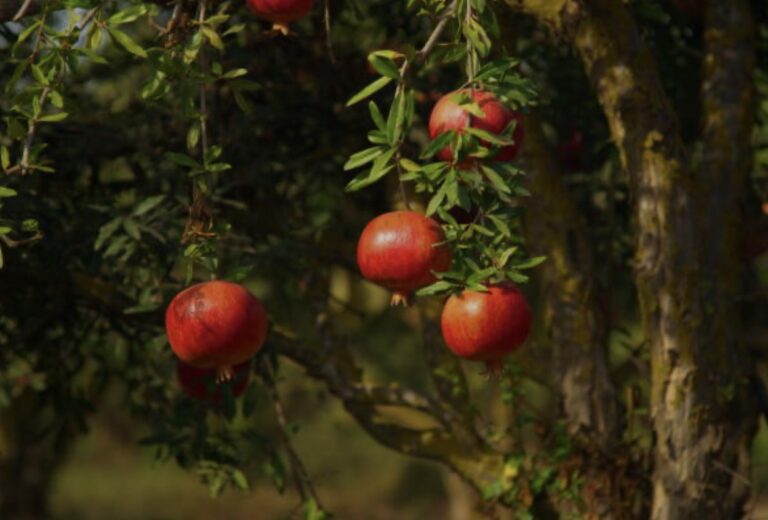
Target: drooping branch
{"points": [[334, 365]]}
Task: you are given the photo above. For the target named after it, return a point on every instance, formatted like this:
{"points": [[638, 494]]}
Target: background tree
{"points": [[148, 145]]}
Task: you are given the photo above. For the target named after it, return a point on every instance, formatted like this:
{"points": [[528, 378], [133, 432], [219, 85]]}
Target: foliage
{"points": [[144, 146]]}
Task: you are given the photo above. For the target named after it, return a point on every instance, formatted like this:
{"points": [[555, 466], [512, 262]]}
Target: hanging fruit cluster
{"points": [[467, 245]]}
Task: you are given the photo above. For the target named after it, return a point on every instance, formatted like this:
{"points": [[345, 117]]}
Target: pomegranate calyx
{"points": [[279, 29], [224, 373], [400, 298], [494, 369]]}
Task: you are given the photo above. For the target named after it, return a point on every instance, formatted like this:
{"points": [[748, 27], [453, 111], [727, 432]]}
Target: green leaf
{"points": [[142, 309], [7, 192], [369, 90], [234, 29], [476, 34], [312, 511], [213, 38], [505, 256], [438, 287], [28, 31], [437, 144], [127, 42], [5, 158], [234, 73], [489, 137], [363, 157], [501, 225], [384, 66], [148, 205], [437, 199], [531, 262], [409, 166], [132, 229], [481, 276], [127, 15], [106, 231], [396, 118], [56, 99], [38, 74], [379, 169], [52, 118], [378, 118], [182, 159], [240, 479], [496, 179], [193, 136], [516, 277]]}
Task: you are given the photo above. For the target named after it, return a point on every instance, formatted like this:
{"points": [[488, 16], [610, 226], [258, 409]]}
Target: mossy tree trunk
{"points": [[575, 327], [701, 404]]}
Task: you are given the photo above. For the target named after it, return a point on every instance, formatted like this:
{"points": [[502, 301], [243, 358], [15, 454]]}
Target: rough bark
{"points": [[575, 327], [699, 396], [574, 324]]}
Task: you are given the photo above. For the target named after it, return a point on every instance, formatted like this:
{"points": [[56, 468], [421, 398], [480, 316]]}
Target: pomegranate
{"points": [[201, 384], [486, 326], [691, 9], [216, 325], [571, 152], [281, 12], [449, 115], [400, 251]]}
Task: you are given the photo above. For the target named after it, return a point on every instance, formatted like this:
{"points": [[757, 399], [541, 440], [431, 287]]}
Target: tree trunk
{"points": [[28, 460], [576, 329], [702, 414]]}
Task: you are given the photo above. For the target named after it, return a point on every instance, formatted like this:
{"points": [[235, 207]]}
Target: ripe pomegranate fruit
{"points": [[281, 12], [691, 9], [201, 384], [571, 152], [486, 326], [449, 115], [399, 251], [216, 325]]}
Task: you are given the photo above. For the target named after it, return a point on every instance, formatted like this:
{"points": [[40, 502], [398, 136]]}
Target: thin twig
{"points": [[203, 102], [304, 485], [199, 218], [470, 49], [22, 12], [8, 241], [449, 13], [327, 21]]}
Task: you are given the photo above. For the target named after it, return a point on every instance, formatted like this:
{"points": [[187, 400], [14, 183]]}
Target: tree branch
{"points": [[333, 364]]}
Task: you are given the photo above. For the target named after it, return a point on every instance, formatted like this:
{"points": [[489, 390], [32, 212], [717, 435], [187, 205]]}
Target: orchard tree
{"points": [[532, 176]]}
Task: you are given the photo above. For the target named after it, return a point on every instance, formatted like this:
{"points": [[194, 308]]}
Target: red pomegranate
{"points": [[691, 9], [216, 325], [571, 152], [281, 12], [201, 384], [400, 251], [486, 326], [449, 115]]}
